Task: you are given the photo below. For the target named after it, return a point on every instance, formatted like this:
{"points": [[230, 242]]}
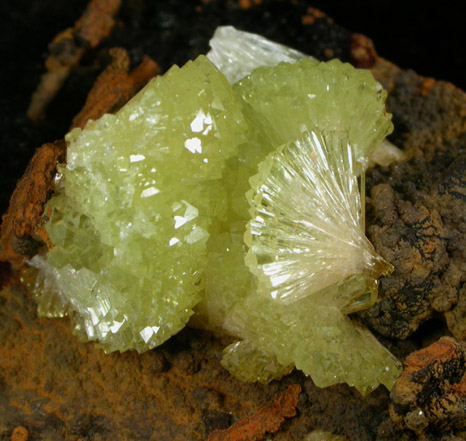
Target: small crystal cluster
{"points": [[320, 435], [131, 219], [238, 202]]}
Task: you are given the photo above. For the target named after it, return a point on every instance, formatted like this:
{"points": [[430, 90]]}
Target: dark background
{"points": [[426, 37]]}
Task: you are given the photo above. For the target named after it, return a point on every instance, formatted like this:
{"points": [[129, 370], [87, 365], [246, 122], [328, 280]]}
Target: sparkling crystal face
{"points": [[310, 264], [306, 233], [238, 202], [290, 99], [141, 190]]}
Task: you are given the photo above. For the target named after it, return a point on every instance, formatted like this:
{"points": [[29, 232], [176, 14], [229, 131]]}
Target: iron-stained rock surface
{"points": [[53, 387], [417, 209]]}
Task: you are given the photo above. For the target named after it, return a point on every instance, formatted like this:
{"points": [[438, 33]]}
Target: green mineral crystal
{"points": [[290, 99], [131, 218], [150, 220], [233, 300], [306, 231], [320, 435], [310, 264]]}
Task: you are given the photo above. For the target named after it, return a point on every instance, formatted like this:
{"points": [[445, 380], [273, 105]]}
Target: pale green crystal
{"points": [[273, 99], [130, 221], [320, 340], [149, 218], [282, 102], [321, 435], [249, 363], [290, 99], [326, 237], [238, 53]]}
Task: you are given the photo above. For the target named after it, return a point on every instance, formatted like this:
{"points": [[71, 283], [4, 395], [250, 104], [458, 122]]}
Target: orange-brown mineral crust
{"points": [[68, 48], [19, 433], [432, 388], [266, 420], [362, 51], [115, 86], [59, 388], [21, 223]]}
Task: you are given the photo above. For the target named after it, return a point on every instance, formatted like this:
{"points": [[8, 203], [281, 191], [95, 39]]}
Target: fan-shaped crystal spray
{"points": [[148, 221], [306, 231], [238, 53], [313, 266]]}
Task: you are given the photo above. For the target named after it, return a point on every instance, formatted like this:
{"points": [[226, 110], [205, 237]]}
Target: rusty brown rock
{"points": [[266, 420], [432, 388], [416, 213], [21, 223], [115, 86], [67, 49], [179, 391], [456, 317]]}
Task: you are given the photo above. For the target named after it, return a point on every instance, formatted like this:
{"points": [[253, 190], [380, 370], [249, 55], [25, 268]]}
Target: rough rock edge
{"points": [[92, 425]]}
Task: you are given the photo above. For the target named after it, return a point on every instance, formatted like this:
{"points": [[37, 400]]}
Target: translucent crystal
{"points": [[279, 110], [131, 219], [313, 334], [386, 153], [305, 219], [249, 363], [289, 99], [305, 232], [149, 219], [237, 53], [320, 435]]}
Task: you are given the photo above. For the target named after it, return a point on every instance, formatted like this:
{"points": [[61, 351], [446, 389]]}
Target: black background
{"points": [[426, 37]]}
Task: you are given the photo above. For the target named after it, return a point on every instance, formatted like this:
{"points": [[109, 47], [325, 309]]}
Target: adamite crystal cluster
{"points": [[140, 193], [239, 202]]}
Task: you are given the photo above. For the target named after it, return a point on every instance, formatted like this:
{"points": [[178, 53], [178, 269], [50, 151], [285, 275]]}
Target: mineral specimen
{"points": [[147, 221], [130, 219]]}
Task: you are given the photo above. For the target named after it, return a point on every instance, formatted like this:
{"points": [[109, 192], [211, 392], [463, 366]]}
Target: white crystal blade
{"points": [[237, 53]]}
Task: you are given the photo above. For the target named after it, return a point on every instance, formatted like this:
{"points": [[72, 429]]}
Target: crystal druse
{"points": [[130, 222], [236, 206]]}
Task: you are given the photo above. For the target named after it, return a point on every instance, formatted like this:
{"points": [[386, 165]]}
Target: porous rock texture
{"points": [[416, 209], [53, 387]]}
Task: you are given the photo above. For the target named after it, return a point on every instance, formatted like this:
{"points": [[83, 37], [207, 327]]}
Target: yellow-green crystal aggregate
{"points": [[141, 191], [306, 240], [304, 333], [289, 99], [149, 218]]}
